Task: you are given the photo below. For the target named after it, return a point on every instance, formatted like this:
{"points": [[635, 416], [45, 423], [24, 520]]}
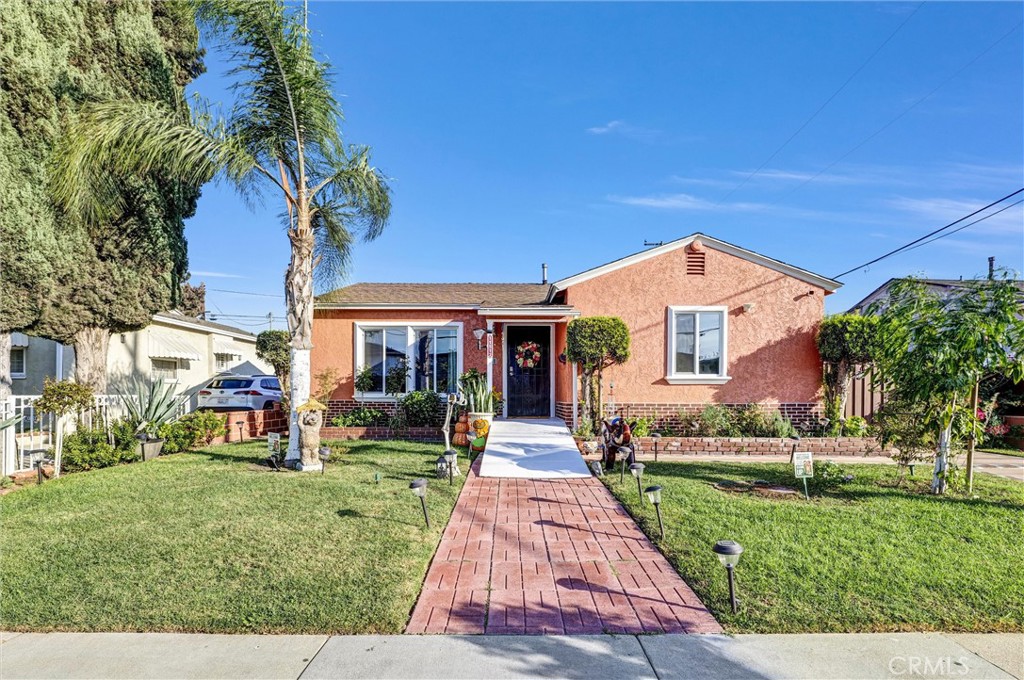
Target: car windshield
{"points": [[230, 384]]}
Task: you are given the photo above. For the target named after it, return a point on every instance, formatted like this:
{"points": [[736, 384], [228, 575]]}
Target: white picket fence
{"points": [[36, 435]]}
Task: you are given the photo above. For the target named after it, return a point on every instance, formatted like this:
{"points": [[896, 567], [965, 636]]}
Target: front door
{"points": [[528, 392]]}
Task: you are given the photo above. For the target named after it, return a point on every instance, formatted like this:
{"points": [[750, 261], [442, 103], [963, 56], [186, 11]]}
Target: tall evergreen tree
{"points": [[61, 276]]}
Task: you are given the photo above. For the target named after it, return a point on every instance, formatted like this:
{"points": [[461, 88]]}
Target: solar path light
{"points": [[623, 451], [240, 423], [449, 457], [637, 470], [325, 453], [654, 496], [656, 437], [729, 553], [419, 488]]}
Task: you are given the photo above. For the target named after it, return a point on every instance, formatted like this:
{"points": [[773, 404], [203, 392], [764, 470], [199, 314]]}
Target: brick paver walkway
{"points": [[547, 557]]}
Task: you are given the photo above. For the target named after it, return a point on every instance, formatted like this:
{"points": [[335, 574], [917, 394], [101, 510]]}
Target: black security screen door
{"points": [[528, 371]]}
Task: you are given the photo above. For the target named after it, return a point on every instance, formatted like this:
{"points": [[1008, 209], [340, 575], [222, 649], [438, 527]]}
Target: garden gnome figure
{"points": [[311, 417]]}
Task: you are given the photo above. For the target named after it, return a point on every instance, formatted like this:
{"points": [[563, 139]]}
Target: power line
{"points": [[243, 292], [950, 233], [821, 108], [933, 233], [900, 115]]}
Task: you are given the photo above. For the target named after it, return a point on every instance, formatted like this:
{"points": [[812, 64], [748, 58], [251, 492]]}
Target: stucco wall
{"points": [[772, 356]]}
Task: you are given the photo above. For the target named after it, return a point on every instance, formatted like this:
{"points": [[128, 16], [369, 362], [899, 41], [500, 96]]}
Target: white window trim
{"points": [[177, 367], [674, 378], [359, 327], [21, 375]]}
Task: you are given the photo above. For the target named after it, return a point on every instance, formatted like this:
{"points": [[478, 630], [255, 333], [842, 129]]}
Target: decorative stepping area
{"points": [[547, 557]]}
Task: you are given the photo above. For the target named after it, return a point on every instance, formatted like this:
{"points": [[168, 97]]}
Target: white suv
{"points": [[240, 393]]}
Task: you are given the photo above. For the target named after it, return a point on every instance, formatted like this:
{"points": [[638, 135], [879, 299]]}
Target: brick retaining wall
{"points": [[803, 415], [256, 424], [823, 446]]}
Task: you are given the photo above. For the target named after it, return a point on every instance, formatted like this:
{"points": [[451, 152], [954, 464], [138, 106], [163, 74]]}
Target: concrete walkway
{"points": [[532, 449], [818, 657], [540, 556]]}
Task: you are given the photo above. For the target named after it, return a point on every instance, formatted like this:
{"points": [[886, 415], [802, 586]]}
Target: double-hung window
{"points": [[697, 341], [18, 370], [400, 358]]}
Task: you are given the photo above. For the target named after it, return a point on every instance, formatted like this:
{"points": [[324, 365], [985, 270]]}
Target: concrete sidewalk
{"points": [[823, 656]]}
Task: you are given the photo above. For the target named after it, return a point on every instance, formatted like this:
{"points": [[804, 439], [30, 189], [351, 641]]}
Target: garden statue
{"points": [[615, 433], [310, 418]]}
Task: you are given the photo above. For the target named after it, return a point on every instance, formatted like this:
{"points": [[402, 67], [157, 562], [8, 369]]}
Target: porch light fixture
{"points": [[654, 496], [419, 489], [449, 457], [729, 553], [240, 423], [479, 334], [656, 437], [748, 307], [325, 453], [637, 470]]}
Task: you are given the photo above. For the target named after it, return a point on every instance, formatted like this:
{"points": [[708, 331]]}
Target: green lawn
{"points": [[1006, 452], [868, 557], [211, 541]]}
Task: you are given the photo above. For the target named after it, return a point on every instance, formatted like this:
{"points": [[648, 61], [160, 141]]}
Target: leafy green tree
{"points": [[595, 343], [274, 347], [282, 133], [63, 277], [192, 300], [935, 348], [845, 341]]}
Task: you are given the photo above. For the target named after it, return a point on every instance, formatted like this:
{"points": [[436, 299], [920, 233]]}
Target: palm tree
{"points": [[282, 134]]}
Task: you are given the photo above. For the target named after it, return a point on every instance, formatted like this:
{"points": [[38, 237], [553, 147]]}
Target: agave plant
{"points": [[150, 405], [478, 393]]}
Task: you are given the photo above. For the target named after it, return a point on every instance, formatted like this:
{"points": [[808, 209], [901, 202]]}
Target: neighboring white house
{"points": [[175, 347]]}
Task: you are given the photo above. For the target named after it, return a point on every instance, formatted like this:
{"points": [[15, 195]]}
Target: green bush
{"points": [[90, 449], [641, 427], [828, 475], [191, 431], [420, 409], [361, 417], [855, 427], [748, 421]]}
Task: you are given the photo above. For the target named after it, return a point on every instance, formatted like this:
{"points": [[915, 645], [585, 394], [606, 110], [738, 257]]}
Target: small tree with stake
{"points": [[934, 349], [596, 342]]}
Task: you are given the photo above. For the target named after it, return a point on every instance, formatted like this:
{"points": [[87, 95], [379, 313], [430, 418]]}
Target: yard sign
{"points": [[803, 467], [274, 443]]}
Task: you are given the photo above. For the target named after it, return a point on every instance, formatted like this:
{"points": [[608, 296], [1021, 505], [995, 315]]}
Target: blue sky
{"points": [[516, 134]]}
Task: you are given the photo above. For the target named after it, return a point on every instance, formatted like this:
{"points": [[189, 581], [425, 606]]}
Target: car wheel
{"points": [[267, 406]]}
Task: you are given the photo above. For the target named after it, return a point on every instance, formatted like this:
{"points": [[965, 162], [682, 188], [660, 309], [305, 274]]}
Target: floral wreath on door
{"points": [[528, 354]]}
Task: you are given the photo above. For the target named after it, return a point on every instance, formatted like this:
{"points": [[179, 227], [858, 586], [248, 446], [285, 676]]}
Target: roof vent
{"points": [[695, 262]]}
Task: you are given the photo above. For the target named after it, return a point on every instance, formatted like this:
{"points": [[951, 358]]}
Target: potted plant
{"points": [[479, 398], [151, 405]]}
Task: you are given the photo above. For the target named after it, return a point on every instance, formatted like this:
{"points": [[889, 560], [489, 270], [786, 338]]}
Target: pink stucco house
{"points": [[710, 323]]}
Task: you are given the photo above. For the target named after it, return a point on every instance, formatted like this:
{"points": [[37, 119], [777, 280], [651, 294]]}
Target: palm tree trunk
{"points": [[91, 347], [299, 300]]}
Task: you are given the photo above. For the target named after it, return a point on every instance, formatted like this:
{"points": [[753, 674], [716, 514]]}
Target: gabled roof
{"points": [[448, 295], [176, 318], [828, 284]]}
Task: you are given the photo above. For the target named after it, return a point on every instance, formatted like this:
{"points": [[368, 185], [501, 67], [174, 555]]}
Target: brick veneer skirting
{"points": [[803, 415], [563, 410], [819, 446]]}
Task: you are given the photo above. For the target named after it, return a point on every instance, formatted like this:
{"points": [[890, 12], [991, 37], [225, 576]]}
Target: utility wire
{"points": [[820, 108], [900, 115], [950, 233], [242, 292], [933, 233]]}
